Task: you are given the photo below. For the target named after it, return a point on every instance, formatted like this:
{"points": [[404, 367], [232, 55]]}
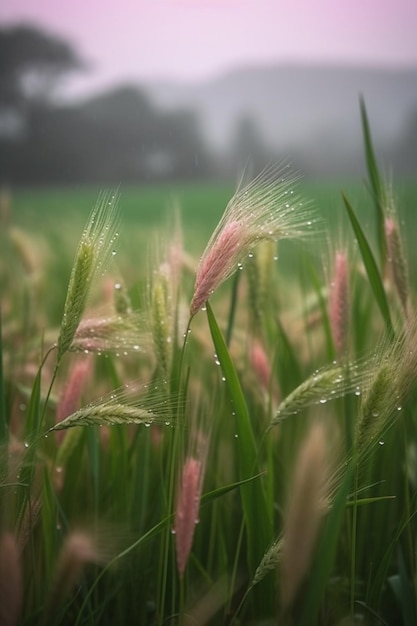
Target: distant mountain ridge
{"points": [[300, 108]]}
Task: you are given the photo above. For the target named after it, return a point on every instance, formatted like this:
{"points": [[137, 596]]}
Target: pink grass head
{"points": [[260, 364], [218, 262], [70, 398], [187, 508], [266, 209], [397, 263], [339, 302]]}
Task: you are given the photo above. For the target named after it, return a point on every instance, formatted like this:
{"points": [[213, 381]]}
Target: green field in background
{"points": [[147, 212]]}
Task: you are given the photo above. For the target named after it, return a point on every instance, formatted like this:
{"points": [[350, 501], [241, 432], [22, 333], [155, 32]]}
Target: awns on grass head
{"points": [[266, 209], [95, 248], [131, 404]]}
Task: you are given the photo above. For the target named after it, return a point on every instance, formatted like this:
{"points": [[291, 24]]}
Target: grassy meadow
{"points": [[222, 435]]}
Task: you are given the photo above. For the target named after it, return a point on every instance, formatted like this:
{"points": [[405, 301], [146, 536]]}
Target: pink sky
{"points": [[189, 39]]}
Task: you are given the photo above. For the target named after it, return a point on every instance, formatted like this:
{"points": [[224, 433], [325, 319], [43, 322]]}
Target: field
{"points": [[236, 448]]}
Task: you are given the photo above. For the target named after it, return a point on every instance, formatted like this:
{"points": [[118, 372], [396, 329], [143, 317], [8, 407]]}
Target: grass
{"points": [[295, 452]]}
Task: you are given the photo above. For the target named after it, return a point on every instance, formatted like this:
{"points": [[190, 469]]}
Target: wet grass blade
{"points": [[370, 266], [256, 512]]}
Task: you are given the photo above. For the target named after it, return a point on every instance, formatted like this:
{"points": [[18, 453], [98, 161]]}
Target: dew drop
{"points": [[173, 531], [323, 400], [113, 252], [224, 379], [381, 443], [26, 444], [236, 436]]}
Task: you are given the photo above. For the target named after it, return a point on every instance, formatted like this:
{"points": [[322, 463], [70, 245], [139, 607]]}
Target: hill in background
{"points": [[311, 113]]}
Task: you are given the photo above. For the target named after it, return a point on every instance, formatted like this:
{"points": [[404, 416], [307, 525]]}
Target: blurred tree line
{"points": [[121, 136], [118, 136]]}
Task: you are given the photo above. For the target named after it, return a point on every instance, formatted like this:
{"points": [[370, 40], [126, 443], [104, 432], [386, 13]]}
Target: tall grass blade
{"points": [[371, 267], [256, 512], [232, 310], [377, 186]]}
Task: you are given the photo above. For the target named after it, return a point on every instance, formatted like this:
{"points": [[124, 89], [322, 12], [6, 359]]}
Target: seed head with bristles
{"points": [[396, 261], [189, 495], [324, 385], [161, 320], [266, 209], [394, 378], [339, 302], [131, 404], [109, 333], [94, 249]]}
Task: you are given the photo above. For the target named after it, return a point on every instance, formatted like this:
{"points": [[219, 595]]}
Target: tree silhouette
{"points": [[31, 65]]}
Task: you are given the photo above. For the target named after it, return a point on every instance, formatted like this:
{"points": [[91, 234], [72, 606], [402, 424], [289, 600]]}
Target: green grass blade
{"points": [[221, 491], [372, 167], [243, 424], [370, 266], [232, 311], [377, 186], [255, 509]]}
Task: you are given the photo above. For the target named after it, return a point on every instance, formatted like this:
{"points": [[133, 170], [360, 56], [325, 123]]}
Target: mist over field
{"points": [[207, 129]]}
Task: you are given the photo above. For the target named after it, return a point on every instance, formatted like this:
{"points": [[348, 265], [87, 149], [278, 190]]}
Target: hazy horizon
{"points": [[189, 41]]}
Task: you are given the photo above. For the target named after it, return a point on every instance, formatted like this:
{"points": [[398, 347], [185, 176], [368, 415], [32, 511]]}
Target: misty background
{"points": [[156, 131]]}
